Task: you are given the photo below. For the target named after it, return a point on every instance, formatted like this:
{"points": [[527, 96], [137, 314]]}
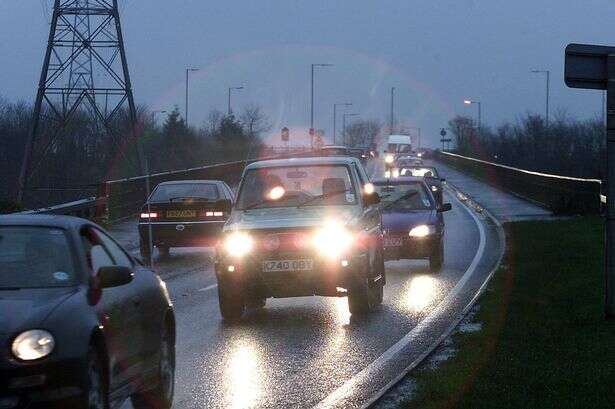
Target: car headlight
{"points": [[434, 188], [389, 159], [33, 344], [333, 240], [238, 244], [422, 230]]}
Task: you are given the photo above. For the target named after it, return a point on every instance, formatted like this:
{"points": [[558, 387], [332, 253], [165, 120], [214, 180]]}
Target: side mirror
{"points": [[114, 276], [224, 205], [446, 207], [443, 180], [371, 198]]}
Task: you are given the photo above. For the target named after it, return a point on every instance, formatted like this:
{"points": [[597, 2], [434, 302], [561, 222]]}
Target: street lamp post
{"points": [[312, 103], [188, 70], [230, 111], [470, 102], [346, 104], [344, 125], [548, 75], [392, 124]]}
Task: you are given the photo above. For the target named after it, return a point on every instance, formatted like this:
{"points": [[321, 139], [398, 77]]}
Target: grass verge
{"points": [[544, 342]]}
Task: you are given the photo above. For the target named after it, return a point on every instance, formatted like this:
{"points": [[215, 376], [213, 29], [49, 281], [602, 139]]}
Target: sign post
{"points": [[593, 67]]}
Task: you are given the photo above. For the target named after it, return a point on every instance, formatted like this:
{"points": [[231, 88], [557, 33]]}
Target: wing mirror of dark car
{"points": [[114, 276], [443, 180], [445, 207], [372, 198], [224, 205]]}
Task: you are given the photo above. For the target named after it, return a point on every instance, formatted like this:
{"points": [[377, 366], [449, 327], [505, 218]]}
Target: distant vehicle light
{"points": [[395, 173], [32, 345], [389, 159], [434, 188], [333, 240], [422, 231], [238, 244], [420, 155], [369, 188]]}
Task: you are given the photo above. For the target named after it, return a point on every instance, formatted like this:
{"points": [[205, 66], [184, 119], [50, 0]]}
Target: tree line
{"points": [[87, 152], [568, 147]]}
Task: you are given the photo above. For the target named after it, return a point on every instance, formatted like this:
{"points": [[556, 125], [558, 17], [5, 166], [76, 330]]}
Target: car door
{"points": [[134, 301]]}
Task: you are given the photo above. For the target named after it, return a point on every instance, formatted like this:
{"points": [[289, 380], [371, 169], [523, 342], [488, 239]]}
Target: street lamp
{"points": [[548, 75], [312, 103], [230, 111], [345, 104], [392, 111], [470, 102], [344, 125], [188, 70]]}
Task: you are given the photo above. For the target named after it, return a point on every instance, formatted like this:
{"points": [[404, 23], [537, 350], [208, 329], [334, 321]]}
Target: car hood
{"points": [[395, 221], [290, 217], [28, 308]]}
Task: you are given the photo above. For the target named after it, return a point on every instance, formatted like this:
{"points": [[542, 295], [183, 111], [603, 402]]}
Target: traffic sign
{"points": [[586, 66], [443, 132], [445, 140]]}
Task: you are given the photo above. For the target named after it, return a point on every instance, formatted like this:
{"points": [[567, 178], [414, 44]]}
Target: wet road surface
{"points": [[309, 352]]}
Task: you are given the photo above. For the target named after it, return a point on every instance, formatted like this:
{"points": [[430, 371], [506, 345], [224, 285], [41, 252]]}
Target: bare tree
{"points": [[254, 121], [362, 133]]}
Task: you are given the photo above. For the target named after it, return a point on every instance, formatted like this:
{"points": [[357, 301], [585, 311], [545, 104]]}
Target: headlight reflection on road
{"points": [[242, 377], [420, 292]]}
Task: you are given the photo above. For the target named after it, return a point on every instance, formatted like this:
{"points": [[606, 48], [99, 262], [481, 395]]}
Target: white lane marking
{"points": [[347, 389], [209, 287]]}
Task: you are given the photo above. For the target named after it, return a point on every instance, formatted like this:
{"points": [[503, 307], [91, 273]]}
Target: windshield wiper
{"points": [[402, 197], [323, 196]]}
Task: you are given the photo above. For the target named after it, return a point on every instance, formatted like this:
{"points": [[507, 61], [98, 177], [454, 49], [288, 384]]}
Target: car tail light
{"points": [[151, 215]]}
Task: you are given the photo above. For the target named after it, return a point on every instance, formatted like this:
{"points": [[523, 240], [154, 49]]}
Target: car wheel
{"points": [[230, 299], [256, 302], [160, 397], [96, 396], [145, 252], [359, 297], [164, 251], [436, 258]]}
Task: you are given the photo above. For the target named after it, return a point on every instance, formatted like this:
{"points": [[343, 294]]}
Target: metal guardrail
{"points": [[560, 194], [93, 208]]}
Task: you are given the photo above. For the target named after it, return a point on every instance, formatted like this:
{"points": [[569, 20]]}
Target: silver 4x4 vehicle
{"points": [[302, 227]]}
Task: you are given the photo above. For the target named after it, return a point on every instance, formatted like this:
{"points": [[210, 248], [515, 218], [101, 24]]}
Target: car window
{"points": [[404, 197], [203, 191], [286, 186], [33, 257], [118, 254]]}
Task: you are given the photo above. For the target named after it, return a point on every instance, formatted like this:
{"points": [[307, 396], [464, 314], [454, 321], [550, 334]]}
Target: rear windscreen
{"points": [[179, 191]]}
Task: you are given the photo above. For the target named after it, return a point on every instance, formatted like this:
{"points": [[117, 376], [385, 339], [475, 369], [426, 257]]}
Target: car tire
{"points": [[436, 259], [96, 396], [161, 397], [256, 302], [359, 297], [145, 252], [230, 299]]}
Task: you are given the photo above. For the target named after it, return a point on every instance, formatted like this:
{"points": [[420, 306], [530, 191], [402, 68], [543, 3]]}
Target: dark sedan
{"points": [[412, 221], [184, 213], [431, 176], [83, 324]]}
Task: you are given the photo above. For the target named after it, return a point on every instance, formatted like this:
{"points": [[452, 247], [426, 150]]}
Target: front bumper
{"points": [[41, 385], [413, 247], [182, 234], [325, 278]]}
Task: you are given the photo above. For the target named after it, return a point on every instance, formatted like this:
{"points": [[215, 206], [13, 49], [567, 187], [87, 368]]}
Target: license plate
{"points": [[176, 214], [287, 265], [392, 242]]}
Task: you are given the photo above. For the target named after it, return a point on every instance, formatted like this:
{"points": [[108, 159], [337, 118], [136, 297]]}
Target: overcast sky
{"points": [[435, 52]]}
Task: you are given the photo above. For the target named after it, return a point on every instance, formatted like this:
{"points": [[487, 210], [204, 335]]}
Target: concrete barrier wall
{"points": [[560, 194]]}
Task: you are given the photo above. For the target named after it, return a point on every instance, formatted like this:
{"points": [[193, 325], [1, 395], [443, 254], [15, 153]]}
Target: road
{"points": [[309, 352]]}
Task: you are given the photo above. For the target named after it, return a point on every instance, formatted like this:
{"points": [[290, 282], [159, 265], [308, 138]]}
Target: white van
{"points": [[399, 144]]}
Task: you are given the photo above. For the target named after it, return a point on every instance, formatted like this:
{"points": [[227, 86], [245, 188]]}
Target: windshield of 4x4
{"points": [[317, 185], [35, 257], [198, 191], [404, 197], [419, 171]]}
